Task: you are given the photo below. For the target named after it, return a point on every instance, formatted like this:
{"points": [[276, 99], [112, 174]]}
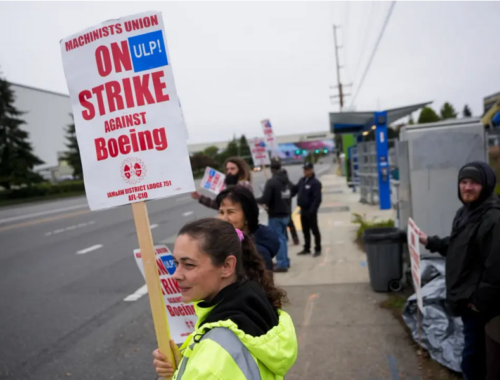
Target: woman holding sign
{"points": [[242, 333], [238, 206], [237, 174]]}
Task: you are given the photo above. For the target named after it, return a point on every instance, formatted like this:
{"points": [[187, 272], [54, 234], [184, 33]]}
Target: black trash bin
{"points": [[384, 253]]}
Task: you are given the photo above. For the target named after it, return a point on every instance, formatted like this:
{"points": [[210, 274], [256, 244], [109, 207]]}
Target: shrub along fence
{"points": [[43, 189]]}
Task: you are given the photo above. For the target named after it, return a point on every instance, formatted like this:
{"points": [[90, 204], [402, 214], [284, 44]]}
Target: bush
{"points": [[43, 189], [365, 224]]}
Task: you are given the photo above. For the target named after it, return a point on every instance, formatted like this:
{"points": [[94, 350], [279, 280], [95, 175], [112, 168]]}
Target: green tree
{"points": [[411, 121], [230, 151], [211, 151], [428, 115], [467, 112], [72, 155], [16, 153], [448, 112], [244, 147]]}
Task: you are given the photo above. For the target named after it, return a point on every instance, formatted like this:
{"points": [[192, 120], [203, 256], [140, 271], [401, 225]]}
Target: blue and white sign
{"points": [[148, 51]]}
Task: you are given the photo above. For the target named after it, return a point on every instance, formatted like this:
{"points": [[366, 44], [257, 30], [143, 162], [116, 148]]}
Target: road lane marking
{"points": [[70, 228], [169, 240], [153, 226], [142, 291], [41, 213], [39, 221], [187, 213], [89, 249]]}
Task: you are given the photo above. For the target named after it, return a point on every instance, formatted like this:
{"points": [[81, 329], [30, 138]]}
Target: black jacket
{"points": [[245, 304], [473, 254], [309, 194], [267, 244], [277, 196]]}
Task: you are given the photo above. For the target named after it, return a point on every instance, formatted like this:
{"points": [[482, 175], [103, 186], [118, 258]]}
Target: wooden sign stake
{"points": [[158, 310]]}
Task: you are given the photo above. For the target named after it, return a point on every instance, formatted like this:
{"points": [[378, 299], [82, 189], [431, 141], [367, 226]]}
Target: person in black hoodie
{"points": [[237, 206], [309, 200], [276, 197], [472, 254]]}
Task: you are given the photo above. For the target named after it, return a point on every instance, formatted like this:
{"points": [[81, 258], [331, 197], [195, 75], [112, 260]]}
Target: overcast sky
{"points": [[237, 63]]}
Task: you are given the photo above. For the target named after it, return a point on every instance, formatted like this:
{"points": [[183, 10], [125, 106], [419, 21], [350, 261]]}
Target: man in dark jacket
{"points": [[309, 199], [472, 254], [276, 197]]}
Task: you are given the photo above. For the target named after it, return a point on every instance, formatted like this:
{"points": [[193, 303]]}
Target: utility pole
{"points": [[339, 82]]}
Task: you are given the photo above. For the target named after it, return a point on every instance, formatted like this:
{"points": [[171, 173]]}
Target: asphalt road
{"points": [[64, 274]]}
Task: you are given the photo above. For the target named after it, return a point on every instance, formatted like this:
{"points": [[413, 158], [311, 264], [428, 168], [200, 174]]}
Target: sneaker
{"points": [[304, 252], [280, 270], [317, 252]]}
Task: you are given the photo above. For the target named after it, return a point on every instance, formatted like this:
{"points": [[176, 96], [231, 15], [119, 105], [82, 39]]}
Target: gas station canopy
{"points": [[356, 122]]}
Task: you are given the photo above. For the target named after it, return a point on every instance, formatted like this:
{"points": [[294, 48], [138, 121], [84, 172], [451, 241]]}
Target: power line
{"points": [[374, 51], [364, 39]]}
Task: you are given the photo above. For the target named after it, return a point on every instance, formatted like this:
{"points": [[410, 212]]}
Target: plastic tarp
{"points": [[442, 334]]}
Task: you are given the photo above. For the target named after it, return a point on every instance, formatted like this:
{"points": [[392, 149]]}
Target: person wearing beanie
{"points": [[276, 198], [472, 254]]}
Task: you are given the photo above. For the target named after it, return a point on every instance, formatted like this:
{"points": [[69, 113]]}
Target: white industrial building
{"points": [[47, 114]]}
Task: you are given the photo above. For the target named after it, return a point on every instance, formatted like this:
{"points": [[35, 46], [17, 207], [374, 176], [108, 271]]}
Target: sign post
{"points": [[130, 128]]}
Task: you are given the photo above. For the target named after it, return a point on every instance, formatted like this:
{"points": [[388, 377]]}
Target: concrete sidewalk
{"points": [[343, 333]]}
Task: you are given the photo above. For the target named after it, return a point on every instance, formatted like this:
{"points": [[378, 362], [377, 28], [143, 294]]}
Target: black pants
{"points": [[474, 352], [492, 359], [309, 222]]}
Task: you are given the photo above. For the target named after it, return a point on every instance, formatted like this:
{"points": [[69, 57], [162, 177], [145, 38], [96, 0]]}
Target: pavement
{"points": [[343, 333], [65, 273]]}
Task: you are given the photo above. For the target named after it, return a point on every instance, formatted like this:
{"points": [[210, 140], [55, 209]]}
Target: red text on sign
{"points": [[140, 141], [128, 93]]}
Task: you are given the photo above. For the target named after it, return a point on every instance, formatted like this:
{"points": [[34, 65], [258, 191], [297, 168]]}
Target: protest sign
{"points": [[129, 124], [260, 156], [181, 316], [414, 247], [213, 180], [130, 129], [269, 138]]}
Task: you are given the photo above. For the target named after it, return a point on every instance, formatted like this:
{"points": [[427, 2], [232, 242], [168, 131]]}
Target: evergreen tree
{"points": [[411, 121], [448, 112], [244, 147], [73, 153], [467, 112], [428, 115], [16, 153]]}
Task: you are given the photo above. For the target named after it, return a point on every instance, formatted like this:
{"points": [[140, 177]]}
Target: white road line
{"points": [[143, 290], [82, 225], [29, 216], [91, 222], [153, 226], [70, 228], [187, 213], [48, 234], [58, 231], [89, 249]]}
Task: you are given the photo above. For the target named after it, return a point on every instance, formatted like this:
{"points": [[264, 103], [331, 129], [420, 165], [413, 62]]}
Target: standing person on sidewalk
{"points": [[309, 200], [276, 197], [472, 254], [242, 332], [237, 174]]}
